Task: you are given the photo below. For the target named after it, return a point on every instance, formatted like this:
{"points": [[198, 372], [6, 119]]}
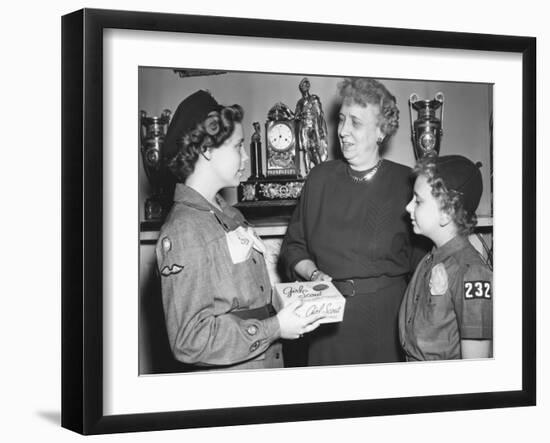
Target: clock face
{"points": [[280, 137]]}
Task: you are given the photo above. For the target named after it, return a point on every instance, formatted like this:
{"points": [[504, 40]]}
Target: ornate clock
{"points": [[281, 148], [276, 191]]}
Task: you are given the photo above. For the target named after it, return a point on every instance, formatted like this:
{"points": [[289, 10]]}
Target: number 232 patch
{"points": [[477, 289]]}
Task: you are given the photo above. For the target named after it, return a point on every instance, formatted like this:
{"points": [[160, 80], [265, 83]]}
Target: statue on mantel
{"points": [[312, 127]]}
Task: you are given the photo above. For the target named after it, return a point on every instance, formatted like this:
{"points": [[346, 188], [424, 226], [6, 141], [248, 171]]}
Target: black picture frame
{"points": [[82, 218]]}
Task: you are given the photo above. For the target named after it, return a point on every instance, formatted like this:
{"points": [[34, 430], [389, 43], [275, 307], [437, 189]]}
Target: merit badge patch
{"points": [[439, 281], [166, 244], [477, 289], [171, 270]]}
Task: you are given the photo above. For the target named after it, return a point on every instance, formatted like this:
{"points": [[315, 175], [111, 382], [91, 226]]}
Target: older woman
{"points": [[350, 227], [215, 286]]}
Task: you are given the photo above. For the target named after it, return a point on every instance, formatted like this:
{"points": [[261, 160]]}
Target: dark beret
{"points": [[461, 175], [194, 109]]}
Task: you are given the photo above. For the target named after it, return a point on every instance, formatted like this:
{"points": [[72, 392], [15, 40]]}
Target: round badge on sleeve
{"points": [[166, 244]]}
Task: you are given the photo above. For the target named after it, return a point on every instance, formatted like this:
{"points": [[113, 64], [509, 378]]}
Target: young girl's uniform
{"points": [[216, 290], [449, 299]]}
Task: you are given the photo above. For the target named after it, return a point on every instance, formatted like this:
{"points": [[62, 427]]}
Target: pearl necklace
{"points": [[369, 173]]}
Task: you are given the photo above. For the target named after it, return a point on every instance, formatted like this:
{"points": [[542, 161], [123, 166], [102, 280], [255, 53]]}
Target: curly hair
{"points": [[210, 133], [368, 91], [450, 200]]}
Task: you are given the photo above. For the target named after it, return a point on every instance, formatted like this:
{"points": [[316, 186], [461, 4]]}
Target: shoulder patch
{"points": [[171, 270], [166, 244], [477, 289]]}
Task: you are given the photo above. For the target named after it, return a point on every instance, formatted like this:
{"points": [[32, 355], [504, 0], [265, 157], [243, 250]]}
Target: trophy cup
{"points": [[152, 131], [427, 129]]}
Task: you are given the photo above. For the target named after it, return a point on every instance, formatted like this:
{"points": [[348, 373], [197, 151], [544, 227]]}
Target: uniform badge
{"points": [[439, 281], [477, 289], [171, 270], [166, 244], [239, 245]]}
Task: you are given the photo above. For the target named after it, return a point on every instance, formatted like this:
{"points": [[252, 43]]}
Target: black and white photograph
{"points": [[298, 220], [267, 221], [291, 221]]}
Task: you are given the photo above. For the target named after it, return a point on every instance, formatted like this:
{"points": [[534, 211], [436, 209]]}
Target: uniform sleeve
{"points": [[473, 300], [198, 335], [294, 246]]}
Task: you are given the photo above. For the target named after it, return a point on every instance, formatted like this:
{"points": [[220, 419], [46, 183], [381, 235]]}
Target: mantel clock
{"points": [[281, 148]]}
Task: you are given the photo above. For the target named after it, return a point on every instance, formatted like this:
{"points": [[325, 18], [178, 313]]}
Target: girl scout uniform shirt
{"points": [[448, 299], [214, 282]]}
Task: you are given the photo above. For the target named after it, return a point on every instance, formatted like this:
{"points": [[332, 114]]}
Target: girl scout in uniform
{"points": [[447, 311], [216, 291]]}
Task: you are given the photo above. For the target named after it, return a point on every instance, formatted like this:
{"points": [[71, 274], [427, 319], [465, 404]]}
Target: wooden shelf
{"points": [[272, 226]]}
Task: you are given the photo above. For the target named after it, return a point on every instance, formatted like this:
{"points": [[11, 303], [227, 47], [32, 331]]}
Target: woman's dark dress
{"points": [[356, 231]]}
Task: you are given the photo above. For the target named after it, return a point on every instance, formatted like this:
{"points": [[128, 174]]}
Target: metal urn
{"points": [[152, 132], [427, 129]]}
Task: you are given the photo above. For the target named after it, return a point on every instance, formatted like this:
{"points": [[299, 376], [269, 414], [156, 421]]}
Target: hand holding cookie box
{"points": [[317, 297]]}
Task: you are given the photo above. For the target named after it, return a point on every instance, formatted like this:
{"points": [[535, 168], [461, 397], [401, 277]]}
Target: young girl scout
{"points": [[216, 291], [447, 311]]}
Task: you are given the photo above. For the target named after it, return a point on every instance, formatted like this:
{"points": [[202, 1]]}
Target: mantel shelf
{"points": [[272, 226]]}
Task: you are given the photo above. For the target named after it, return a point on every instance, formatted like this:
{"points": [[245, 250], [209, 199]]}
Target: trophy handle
{"points": [[165, 119], [142, 126], [413, 98], [440, 98]]}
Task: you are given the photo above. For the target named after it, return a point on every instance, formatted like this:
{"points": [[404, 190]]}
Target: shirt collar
{"points": [[188, 196], [227, 217], [457, 243]]}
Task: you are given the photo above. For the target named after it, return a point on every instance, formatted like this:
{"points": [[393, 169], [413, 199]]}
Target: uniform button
{"points": [[254, 346], [252, 330], [277, 355]]}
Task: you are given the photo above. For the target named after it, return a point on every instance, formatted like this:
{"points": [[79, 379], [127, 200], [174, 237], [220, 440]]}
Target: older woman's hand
{"points": [[307, 269], [318, 275], [292, 325]]}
